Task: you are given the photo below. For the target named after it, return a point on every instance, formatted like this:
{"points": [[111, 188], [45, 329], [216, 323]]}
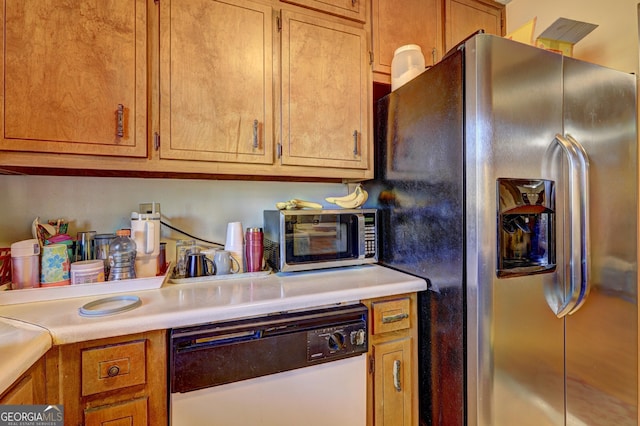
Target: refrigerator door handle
{"points": [[578, 228], [585, 237]]}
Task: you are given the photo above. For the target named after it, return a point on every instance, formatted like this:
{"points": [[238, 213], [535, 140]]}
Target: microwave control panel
{"points": [[370, 236]]}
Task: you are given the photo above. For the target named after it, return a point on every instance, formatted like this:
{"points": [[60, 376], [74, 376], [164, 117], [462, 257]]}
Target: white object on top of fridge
{"points": [[408, 62]]}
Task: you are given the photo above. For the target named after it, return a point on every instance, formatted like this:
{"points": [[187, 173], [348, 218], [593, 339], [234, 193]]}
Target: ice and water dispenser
{"points": [[526, 227]]}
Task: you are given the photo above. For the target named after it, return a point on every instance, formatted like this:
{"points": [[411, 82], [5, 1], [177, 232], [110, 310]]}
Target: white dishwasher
{"points": [[287, 369]]}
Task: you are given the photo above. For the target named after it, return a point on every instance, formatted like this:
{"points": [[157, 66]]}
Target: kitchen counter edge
{"points": [[39, 326]]}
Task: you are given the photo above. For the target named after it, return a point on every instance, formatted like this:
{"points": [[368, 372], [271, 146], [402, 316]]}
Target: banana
{"points": [[347, 198], [302, 204], [357, 202], [351, 201], [295, 204]]}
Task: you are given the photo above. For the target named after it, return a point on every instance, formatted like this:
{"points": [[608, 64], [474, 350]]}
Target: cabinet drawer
{"points": [[113, 367], [132, 413], [391, 315]]}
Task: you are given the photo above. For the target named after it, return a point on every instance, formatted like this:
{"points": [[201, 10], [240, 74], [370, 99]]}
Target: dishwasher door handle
{"points": [[226, 337], [207, 342]]}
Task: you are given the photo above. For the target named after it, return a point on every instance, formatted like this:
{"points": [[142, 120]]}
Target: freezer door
{"points": [[515, 343], [601, 337]]}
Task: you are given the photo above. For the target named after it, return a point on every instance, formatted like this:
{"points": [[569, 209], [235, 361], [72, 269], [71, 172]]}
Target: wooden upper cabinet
{"points": [[326, 93], [350, 9], [414, 22], [216, 81], [465, 17], [74, 77]]}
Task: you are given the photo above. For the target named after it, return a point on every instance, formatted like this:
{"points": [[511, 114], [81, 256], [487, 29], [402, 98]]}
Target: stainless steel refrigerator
{"points": [[506, 176]]}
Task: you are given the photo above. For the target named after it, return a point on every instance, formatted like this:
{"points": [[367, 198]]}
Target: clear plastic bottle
{"points": [[122, 256]]}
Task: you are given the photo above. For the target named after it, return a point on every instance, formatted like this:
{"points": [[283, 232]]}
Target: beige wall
{"points": [[613, 44], [199, 207]]}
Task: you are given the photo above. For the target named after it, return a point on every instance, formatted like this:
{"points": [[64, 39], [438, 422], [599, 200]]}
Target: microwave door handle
{"points": [[562, 303]]}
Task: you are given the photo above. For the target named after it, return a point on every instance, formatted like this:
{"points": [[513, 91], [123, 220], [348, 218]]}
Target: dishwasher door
{"points": [[332, 393], [287, 369]]}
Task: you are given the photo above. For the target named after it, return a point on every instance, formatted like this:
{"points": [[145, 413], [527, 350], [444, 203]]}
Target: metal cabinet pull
{"points": [[433, 56], [120, 121], [397, 368], [394, 318], [113, 371], [255, 134], [355, 142]]}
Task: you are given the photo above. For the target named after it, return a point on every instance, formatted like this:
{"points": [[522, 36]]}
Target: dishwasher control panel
{"points": [[337, 341], [218, 353]]}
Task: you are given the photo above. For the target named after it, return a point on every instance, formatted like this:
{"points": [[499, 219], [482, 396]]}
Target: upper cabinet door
{"points": [[216, 79], [326, 93], [351, 9], [465, 17], [74, 76], [415, 22]]}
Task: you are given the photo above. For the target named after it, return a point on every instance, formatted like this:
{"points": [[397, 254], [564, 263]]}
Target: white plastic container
{"points": [[145, 231], [87, 271], [408, 62], [25, 264]]}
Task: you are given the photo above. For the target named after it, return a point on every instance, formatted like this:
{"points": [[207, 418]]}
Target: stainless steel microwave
{"points": [[300, 240]]}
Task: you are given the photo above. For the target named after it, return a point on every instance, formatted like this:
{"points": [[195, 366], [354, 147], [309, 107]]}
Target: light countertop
{"points": [[21, 345], [58, 322]]}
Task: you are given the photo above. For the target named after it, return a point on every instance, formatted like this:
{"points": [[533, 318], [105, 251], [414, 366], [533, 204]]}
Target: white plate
{"points": [[109, 306]]}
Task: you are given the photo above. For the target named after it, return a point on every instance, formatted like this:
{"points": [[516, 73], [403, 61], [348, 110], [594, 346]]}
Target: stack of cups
{"points": [[235, 243]]}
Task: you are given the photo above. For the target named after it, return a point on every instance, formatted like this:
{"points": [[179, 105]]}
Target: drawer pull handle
{"points": [[394, 318], [113, 371], [396, 375]]}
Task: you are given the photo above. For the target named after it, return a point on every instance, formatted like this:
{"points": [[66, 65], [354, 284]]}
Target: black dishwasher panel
{"points": [[218, 353]]}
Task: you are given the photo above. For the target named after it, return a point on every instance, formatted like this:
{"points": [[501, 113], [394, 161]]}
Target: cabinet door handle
{"points": [[113, 371], [355, 142], [394, 318], [397, 369], [255, 134], [120, 121]]}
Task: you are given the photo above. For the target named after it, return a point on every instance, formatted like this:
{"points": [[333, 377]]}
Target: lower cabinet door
{"points": [[28, 389], [131, 413], [392, 383]]}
